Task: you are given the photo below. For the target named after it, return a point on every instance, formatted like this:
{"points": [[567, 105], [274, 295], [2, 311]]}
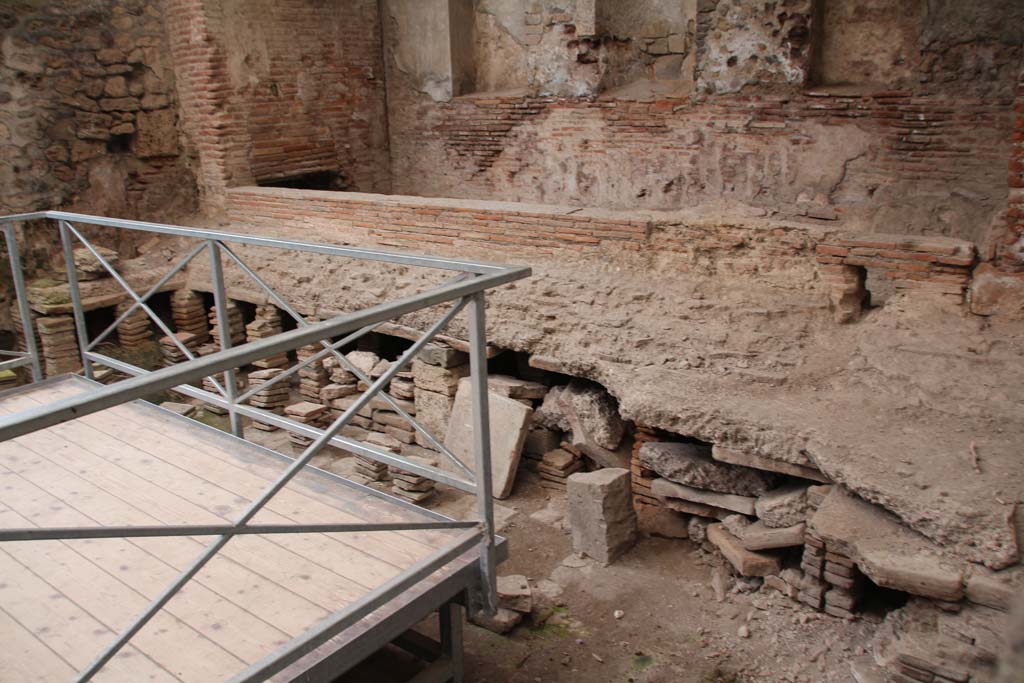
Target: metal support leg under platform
{"points": [[446, 664]]}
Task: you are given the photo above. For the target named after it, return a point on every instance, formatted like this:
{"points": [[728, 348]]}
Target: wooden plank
{"points": [[277, 613], [25, 659], [234, 462], [114, 604], [68, 630], [292, 572]]}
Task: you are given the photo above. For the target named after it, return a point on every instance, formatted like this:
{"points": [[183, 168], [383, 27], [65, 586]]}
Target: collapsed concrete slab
{"points": [[888, 553]]}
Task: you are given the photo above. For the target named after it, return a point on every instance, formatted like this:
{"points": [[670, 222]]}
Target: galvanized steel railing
{"points": [[466, 290]]}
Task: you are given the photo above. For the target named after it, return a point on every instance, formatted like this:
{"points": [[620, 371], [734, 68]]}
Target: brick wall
{"points": [[888, 161], [411, 221], [276, 90]]}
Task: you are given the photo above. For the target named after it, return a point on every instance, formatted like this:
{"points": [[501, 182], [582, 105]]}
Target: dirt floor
{"points": [[683, 618]]}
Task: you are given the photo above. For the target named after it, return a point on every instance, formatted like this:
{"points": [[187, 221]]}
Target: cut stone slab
{"points": [[783, 507], [663, 488], [601, 513], [513, 387], [746, 562], [888, 553], [759, 536], [597, 411], [691, 465], [737, 457], [432, 411], [179, 408], [510, 421], [514, 593]]}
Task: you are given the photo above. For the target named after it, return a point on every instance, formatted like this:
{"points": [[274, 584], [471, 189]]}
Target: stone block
{"points": [[513, 387], [509, 420], [502, 621], [157, 134], [783, 507], [597, 411], [663, 488], [601, 513], [691, 465], [746, 562], [438, 379], [442, 356], [514, 593]]}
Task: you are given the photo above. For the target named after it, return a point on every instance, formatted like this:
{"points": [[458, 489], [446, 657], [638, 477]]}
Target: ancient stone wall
{"points": [[278, 92], [88, 112]]}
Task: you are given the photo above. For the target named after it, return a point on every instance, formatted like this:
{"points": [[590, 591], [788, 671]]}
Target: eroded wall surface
{"points": [[892, 116], [88, 111]]}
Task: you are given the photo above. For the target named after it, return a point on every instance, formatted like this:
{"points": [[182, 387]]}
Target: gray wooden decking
{"points": [[62, 601]]}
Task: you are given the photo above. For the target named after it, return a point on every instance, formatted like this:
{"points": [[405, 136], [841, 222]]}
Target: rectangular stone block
{"points": [[601, 513]]}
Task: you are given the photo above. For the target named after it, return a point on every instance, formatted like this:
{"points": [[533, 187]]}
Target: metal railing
{"points": [[466, 291]]}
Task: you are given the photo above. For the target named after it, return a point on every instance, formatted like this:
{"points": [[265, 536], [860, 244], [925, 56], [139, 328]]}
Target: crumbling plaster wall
{"points": [[923, 154]]}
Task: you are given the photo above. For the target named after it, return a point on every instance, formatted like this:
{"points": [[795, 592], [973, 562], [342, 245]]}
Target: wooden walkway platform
{"points": [[61, 602]]}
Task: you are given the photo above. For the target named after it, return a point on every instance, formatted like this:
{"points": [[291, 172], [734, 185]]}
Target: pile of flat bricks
{"points": [[267, 323], [189, 314], [413, 487], [314, 376], [307, 413], [135, 330], [272, 399], [235, 324], [59, 344], [370, 469], [172, 353], [832, 583], [641, 477], [556, 466]]}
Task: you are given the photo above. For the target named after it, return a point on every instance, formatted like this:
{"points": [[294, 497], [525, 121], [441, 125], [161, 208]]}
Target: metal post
{"points": [[220, 300], [76, 298], [23, 308], [482, 447], [450, 616]]}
